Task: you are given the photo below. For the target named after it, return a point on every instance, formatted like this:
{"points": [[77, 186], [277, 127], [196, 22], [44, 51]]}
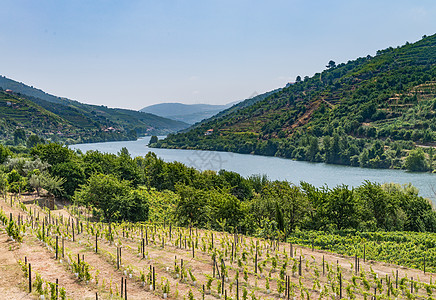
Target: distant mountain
{"points": [[374, 111], [235, 106], [188, 113], [77, 122]]}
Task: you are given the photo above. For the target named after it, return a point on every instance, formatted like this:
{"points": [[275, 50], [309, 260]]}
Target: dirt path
{"points": [[12, 282]]}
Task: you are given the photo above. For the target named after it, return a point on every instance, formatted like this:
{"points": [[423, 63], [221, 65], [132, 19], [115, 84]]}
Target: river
{"points": [[275, 168]]}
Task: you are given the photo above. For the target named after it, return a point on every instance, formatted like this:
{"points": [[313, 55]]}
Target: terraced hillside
{"points": [[369, 112], [60, 119]]}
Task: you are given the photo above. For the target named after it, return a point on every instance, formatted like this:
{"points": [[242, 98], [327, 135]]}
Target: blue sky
{"points": [[135, 53]]}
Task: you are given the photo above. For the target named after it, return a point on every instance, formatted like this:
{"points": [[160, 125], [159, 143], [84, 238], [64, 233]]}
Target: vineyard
{"points": [[62, 254]]}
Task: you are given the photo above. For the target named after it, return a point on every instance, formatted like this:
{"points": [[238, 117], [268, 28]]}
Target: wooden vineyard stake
{"points": [[193, 254], [143, 248], [389, 286], [30, 278], [323, 266], [181, 267], [286, 284], [255, 262], [237, 289], [217, 269], [213, 267], [57, 246], [289, 286], [299, 267], [340, 285], [122, 286], [358, 264], [96, 243], [154, 279], [125, 288], [222, 284]]}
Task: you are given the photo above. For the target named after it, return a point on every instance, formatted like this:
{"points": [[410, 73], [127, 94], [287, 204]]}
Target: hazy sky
{"points": [[135, 53]]}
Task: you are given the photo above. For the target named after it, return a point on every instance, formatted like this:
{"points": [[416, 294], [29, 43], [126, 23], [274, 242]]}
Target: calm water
{"points": [[276, 168]]}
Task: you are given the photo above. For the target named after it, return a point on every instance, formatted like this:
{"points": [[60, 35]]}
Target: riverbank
{"points": [[318, 174]]}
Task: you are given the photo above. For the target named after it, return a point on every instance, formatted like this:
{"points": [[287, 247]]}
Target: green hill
{"points": [[369, 112], [85, 123], [17, 112]]}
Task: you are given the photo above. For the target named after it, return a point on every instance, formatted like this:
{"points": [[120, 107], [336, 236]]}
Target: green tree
{"points": [[4, 153], [53, 185], [97, 162], [19, 136], [239, 185], [52, 153], [280, 199], [114, 198], [16, 182], [36, 181], [341, 207], [3, 182], [331, 64], [126, 168], [37, 164], [73, 172], [415, 161], [153, 140], [33, 140], [375, 205]]}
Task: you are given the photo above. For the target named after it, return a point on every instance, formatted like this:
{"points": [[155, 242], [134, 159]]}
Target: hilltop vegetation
{"points": [[60, 119], [370, 112]]}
